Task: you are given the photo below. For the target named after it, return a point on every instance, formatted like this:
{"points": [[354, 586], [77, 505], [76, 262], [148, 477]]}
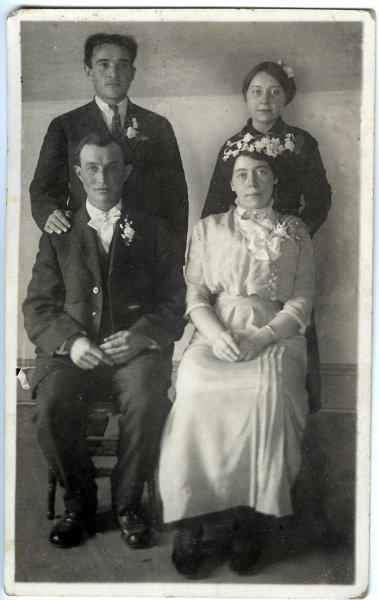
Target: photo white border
{"points": [[367, 142]]}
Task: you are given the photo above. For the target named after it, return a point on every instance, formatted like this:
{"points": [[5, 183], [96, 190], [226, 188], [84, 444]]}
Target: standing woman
{"points": [[303, 190]]}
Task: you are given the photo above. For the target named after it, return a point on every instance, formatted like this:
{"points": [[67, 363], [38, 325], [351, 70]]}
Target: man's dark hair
{"points": [[94, 139], [98, 39]]}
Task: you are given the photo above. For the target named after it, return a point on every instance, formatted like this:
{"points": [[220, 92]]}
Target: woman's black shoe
{"points": [[245, 553], [247, 544], [187, 554]]}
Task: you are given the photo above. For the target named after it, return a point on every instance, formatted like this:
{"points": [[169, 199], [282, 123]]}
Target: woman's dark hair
{"points": [[275, 70], [229, 164], [94, 139], [98, 39]]}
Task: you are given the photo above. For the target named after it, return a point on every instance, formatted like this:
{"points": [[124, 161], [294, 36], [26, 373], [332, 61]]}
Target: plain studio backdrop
{"points": [[192, 73]]}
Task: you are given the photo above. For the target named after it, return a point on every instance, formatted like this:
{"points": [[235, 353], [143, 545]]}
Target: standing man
{"points": [[155, 182], [104, 308]]}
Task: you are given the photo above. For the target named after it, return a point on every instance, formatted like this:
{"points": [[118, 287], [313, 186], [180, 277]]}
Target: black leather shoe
{"points": [[246, 552], [247, 541], [187, 553], [134, 529], [68, 532]]}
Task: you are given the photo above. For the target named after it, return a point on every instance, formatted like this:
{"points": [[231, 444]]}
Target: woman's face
{"points": [[265, 99], [253, 182]]}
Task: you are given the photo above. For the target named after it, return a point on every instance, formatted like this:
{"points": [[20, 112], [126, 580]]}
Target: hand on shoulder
{"points": [[58, 222]]}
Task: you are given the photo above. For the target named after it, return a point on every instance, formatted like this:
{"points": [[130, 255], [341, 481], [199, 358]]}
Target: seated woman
{"points": [[232, 439]]}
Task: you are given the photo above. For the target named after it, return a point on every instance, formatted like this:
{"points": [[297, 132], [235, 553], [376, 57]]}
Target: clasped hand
{"points": [[116, 349], [233, 347]]}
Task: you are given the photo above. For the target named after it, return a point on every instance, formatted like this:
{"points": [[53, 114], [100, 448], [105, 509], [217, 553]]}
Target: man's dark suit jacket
{"points": [[156, 184], [146, 288]]}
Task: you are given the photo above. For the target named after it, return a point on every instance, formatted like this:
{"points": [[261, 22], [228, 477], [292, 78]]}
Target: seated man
{"points": [[104, 307]]}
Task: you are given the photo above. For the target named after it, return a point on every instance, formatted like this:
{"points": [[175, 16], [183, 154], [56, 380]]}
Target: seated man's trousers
{"points": [[64, 396]]}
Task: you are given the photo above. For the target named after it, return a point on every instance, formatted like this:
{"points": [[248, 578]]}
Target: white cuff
{"points": [[198, 305], [297, 319]]}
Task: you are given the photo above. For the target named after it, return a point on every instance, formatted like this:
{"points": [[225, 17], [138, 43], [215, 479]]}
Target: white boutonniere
{"points": [[133, 133], [127, 231]]}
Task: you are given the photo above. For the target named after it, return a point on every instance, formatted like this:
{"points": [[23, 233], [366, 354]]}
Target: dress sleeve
{"points": [[299, 304], [316, 191], [198, 293]]}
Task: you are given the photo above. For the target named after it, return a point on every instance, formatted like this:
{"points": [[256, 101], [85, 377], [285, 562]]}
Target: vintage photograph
{"points": [[190, 198]]}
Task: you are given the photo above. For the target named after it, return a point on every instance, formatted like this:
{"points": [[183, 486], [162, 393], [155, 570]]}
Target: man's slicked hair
{"points": [[99, 39], [94, 139]]}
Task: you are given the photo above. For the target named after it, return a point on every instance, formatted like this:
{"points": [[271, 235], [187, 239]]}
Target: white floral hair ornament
{"points": [[267, 145], [288, 70]]}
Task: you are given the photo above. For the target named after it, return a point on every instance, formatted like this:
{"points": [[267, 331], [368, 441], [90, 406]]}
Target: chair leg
{"points": [[51, 490], [154, 502]]}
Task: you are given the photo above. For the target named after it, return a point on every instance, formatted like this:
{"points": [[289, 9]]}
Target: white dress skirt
{"points": [[234, 433]]}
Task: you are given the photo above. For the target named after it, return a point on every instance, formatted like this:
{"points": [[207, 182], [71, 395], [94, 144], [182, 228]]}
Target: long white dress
{"points": [[233, 435]]}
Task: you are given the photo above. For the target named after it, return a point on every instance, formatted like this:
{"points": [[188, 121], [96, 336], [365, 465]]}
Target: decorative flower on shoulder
{"points": [[127, 231], [268, 145], [132, 132], [295, 227]]}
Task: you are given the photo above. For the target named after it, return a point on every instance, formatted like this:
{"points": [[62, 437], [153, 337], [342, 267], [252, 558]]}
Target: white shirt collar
{"points": [[93, 211], [104, 106]]}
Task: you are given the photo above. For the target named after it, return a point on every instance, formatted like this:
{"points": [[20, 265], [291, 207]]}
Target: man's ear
{"points": [[127, 171], [78, 171], [134, 72], [232, 186], [88, 72]]}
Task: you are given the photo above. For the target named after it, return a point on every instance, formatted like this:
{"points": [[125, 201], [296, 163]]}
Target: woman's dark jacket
{"points": [[303, 189]]}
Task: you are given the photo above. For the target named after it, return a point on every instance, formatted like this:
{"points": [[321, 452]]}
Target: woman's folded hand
{"points": [[225, 347], [253, 344]]}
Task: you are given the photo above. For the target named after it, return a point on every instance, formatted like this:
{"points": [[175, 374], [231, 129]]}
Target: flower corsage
{"points": [[127, 231], [264, 238], [132, 132]]}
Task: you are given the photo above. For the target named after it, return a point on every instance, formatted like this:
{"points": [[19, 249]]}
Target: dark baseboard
{"points": [[339, 385]]}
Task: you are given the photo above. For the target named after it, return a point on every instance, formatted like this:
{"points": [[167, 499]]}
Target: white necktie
{"points": [[103, 222]]}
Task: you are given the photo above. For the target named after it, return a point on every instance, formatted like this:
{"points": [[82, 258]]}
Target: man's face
{"points": [[102, 173], [111, 72]]}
